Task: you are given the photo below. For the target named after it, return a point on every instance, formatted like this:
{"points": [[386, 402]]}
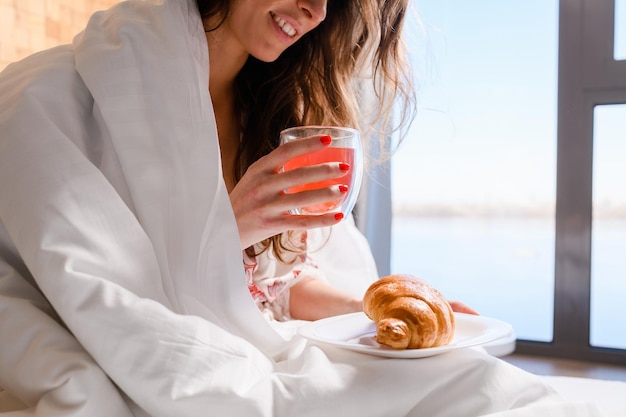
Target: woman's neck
{"points": [[226, 59]]}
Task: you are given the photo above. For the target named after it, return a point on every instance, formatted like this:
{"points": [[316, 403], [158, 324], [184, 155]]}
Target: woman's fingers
{"points": [[275, 161], [293, 149], [283, 202], [290, 190], [265, 195], [311, 174], [460, 307], [288, 201], [311, 221]]}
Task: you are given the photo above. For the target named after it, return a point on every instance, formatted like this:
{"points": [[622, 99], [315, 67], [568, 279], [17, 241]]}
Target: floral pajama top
{"points": [[269, 279]]}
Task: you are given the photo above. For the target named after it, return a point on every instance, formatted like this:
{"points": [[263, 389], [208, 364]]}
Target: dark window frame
{"points": [[588, 76]]}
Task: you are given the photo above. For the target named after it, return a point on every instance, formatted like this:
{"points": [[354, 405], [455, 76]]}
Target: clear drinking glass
{"points": [[345, 147]]}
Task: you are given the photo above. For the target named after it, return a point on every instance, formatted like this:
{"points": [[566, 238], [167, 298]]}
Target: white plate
{"points": [[356, 332]]}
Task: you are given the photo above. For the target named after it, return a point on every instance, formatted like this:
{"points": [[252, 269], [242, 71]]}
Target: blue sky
{"points": [[486, 129]]}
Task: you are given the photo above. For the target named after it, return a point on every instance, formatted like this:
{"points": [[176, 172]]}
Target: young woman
{"points": [[276, 64], [135, 167]]}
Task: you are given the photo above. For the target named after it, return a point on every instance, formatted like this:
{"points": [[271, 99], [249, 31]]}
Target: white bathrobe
{"points": [[122, 290]]}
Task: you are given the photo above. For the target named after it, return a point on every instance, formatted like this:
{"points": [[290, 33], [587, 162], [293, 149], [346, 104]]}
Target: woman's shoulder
{"points": [[43, 95], [46, 76]]}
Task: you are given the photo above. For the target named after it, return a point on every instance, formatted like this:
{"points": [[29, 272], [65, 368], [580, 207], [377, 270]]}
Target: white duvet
{"points": [[121, 283]]}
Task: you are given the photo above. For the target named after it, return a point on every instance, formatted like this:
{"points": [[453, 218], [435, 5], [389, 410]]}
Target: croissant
{"points": [[409, 313]]}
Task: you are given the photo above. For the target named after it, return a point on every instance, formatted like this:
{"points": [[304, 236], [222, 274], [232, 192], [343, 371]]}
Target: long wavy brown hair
{"points": [[320, 80]]}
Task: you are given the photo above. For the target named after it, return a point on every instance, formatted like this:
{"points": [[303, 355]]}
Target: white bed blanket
{"points": [[609, 396], [121, 282]]}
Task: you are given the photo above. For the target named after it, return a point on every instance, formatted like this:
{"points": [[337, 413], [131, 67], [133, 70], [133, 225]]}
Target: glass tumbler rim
{"points": [[319, 127]]}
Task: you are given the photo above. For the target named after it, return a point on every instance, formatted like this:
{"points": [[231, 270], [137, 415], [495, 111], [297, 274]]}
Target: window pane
{"points": [[608, 260], [620, 30], [474, 183]]}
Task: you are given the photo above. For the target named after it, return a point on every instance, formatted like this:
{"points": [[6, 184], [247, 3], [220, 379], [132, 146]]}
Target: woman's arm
{"points": [[312, 299]]}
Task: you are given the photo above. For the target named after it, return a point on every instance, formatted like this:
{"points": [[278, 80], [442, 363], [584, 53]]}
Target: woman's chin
{"points": [[267, 57], [268, 54]]}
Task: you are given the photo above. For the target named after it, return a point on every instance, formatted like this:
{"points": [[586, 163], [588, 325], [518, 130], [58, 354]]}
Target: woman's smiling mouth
{"points": [[284, 25]]}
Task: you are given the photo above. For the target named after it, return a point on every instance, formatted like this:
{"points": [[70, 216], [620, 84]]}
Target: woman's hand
{"points": [[262, 207], [460, 307]]}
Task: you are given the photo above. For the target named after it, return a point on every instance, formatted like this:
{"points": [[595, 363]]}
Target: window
{"points": [[608, 245], [509, 192], [474, 184]]}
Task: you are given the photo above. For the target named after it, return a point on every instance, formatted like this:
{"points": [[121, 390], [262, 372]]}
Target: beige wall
{"points": [[28, 26]]}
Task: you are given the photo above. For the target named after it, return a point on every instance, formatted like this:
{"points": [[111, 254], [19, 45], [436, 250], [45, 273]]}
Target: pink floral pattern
{"points": [[269, 280]]}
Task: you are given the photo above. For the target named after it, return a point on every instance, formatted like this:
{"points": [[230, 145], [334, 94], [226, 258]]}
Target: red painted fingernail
{"points": [[344, 167], [326, 140], [343, 188], [338, 216]]}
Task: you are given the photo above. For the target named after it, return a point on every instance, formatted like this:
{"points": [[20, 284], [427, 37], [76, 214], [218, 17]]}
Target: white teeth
{"points": [[286, 27]]}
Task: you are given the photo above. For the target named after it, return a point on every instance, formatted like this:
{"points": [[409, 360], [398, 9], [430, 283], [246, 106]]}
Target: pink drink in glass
{"points": [[331, 154], [344, 148]]}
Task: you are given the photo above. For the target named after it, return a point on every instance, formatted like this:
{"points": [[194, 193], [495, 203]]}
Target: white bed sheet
{"points": [[608, 396]]}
